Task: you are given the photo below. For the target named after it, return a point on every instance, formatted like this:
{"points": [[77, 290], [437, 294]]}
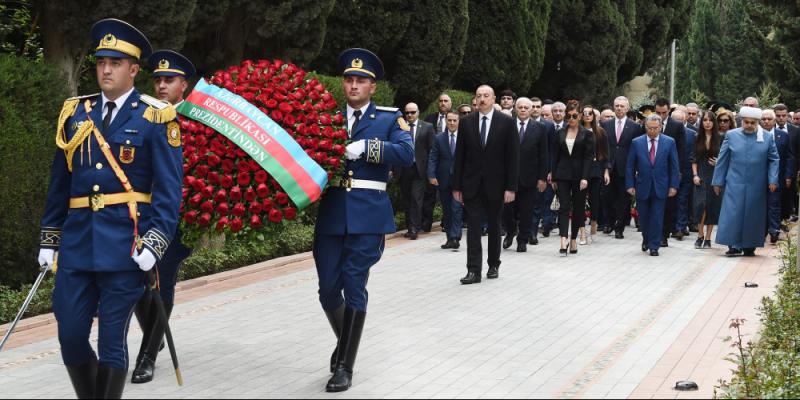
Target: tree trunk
{"points": [[64, 51]]}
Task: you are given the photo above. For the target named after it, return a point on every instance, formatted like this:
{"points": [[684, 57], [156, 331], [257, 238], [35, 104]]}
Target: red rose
{"points": [[190, 217], [201, 170], [275, 216], [238, 209], [196, 199], [271, 103], [222, 208], [285, 108], [226, 181], [338, 149], [262, 190], [213, 178], [207, 206], [325, 119], [243, 179], [261, 176], [243, 166], [185, 124], [267, 205], [204, 219], [236, 193], [236, 225], [255, 222], [213, 160], [221, 223], [208, 191], [276, 115], [290, 213], [184, 193], [227, 166], [188, 180], [328, 97], [255, 208], [198, 185], [282, 198], [250, 195]]}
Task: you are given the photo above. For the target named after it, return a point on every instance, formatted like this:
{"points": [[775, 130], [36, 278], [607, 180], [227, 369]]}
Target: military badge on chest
{"points": [[126, 154]]}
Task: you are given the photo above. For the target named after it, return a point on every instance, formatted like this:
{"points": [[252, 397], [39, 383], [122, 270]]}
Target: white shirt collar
{"points": [[519, 121], [119, 102], [656, 138], [351, 110], [178, 103], [623, 119], [488, 116], [452, 133]]}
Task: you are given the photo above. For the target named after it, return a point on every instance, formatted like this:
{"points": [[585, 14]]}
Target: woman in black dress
{"points": [[598, 174], [574, 154], [704, 158]]}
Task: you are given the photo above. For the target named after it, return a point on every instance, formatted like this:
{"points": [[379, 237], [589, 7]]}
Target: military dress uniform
{"points": [[355, 214], [115, 186], [166, 63]]}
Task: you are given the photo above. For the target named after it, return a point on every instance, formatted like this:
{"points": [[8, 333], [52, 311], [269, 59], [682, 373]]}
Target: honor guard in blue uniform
{"points": [[171, 72], [111, 210], [355, 213]]}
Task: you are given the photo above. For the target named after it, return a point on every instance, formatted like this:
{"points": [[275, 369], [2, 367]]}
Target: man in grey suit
{"points": [[414, 179]]}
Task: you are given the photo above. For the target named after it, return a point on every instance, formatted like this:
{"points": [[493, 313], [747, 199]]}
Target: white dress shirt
{"points": [[488, 123], [650, 144], [119, 102], [352, 118]]}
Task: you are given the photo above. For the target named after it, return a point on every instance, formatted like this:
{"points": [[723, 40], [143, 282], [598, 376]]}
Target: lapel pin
{"points": [[372, 116], [135, 105]]}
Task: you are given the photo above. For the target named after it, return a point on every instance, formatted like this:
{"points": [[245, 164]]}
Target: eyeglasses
{"points": [[588, 114], [573, 116], [724, 121], [409, 112], [463, 112]]}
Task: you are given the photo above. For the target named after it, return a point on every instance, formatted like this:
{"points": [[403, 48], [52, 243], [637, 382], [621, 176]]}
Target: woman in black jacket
{"points": [[573, 157], [599, 175]]}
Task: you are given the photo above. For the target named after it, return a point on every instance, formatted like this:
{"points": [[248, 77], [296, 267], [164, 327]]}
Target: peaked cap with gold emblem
{"points": [[361, 62], [119, 39]]}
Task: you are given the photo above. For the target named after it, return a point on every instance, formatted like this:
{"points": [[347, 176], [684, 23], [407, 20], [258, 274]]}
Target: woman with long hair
{"points": [[598, 174], [703, 157], [573, 158]]}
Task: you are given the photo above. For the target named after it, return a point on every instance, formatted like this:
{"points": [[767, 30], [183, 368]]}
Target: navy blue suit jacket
{"points": [[655, 178], [786, 168], [618, 152], [440, 161]]}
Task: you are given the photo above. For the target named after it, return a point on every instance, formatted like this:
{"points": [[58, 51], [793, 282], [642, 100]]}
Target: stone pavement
{"points": [[607, 322]]}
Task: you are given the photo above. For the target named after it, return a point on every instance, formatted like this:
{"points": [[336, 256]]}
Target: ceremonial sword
{"points": [[162, 316], [25, 305]]}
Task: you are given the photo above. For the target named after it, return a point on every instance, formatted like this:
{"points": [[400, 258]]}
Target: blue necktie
{"points": [[452, 144], [521, 131], [483, 132]]}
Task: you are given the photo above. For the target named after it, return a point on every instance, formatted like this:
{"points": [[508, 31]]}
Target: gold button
{"points": [[138, 214], [350, 173], [96, 188], [127, 142], [99, 166]]}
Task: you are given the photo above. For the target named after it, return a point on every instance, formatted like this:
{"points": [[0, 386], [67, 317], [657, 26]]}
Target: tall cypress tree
{"points": [[779, 23]]}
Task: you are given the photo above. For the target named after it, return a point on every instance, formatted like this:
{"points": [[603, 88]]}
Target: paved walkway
{"points": [[607, 322]]}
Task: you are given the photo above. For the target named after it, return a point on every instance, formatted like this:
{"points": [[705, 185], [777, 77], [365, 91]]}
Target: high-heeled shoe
{"points": [[563, 250], [583, 240], [573, 247]]}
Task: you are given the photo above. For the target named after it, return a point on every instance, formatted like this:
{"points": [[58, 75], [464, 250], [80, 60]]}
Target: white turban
{"points": [[750, 112]]}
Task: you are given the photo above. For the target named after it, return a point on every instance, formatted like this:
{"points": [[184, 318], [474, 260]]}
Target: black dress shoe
{"points": [[698, 244], [145, 370], [706, 244], [773, 238], [446, 245], [678, 235], [456, 245], [522, 247], [733, 252], [508, 241], [533, 241], [644, 246], [546, 233], [664, 242], [607, 230], [471, 278], [492, 273], [407, 234], [654, 253], [619, 235], [749, 252], [412, 236]]}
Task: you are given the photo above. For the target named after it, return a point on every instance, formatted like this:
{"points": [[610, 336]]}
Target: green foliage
{"points": [[459, 97], [504, 45], [770, 367], [11, 300], [769, 94], [579, 69], [18, 32], [30, 99], [779, 24], [384, 95]]}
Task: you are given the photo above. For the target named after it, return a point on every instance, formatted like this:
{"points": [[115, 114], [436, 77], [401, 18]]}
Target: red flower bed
{"points": [[224, 188]]}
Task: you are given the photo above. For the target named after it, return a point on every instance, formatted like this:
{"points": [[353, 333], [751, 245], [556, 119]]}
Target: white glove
{"points": [[145, 259], [356, 149], [46, 257]]}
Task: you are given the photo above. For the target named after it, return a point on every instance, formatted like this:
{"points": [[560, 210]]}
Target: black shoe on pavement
{"points": [[508, 241], [471, 278], [698, 244], [644, 246], [522, 247], [619, 235], [678, 235], [352, 328], [733, 252], [706, 244], [412, 236], [447, 245], [607, 230], [664, 242], [749, 252], [773, 238], [492, 273], [653, 253], [533, 241], [456, 244]]}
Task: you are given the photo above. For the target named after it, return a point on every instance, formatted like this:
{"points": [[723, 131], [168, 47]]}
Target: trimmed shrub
{"points": [[31, 95], [459, 97], [384, 95]]}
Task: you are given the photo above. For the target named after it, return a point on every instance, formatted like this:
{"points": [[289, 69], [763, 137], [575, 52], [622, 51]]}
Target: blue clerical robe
{"points": [[745, 168]]}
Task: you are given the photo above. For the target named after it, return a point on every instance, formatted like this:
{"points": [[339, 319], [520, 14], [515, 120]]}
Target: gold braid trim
{"points": [[81, 134], [160, 116]]}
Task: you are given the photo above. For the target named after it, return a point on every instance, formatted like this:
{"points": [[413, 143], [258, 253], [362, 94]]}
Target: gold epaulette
{"points": [[158, 112]]}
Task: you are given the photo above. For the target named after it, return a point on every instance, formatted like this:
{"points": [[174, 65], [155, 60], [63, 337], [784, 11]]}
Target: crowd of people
{"points": [[668, 169]]}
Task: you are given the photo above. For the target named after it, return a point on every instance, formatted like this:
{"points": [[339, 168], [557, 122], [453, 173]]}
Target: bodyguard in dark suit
{"points": [[533, 169], [653, 171], [685, 192], [485, 177], [440, 175], [413, 179], [786, 170], [445, 104], [789, 195], [677, 132], [620, 131]]}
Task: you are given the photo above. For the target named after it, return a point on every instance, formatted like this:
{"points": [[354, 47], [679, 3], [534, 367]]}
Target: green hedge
{"points": [[384, 95], [459, 97], [770, 367], [31, 95]]}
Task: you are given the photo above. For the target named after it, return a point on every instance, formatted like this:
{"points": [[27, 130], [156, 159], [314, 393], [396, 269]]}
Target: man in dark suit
{"points": [[440, 175], [542, 212], [653, 176], [413, 179], [685, 192], [485, 177], [445, 104], [620, 131], [786, 170], [789, 195], [677, 132], [533, 170]]}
